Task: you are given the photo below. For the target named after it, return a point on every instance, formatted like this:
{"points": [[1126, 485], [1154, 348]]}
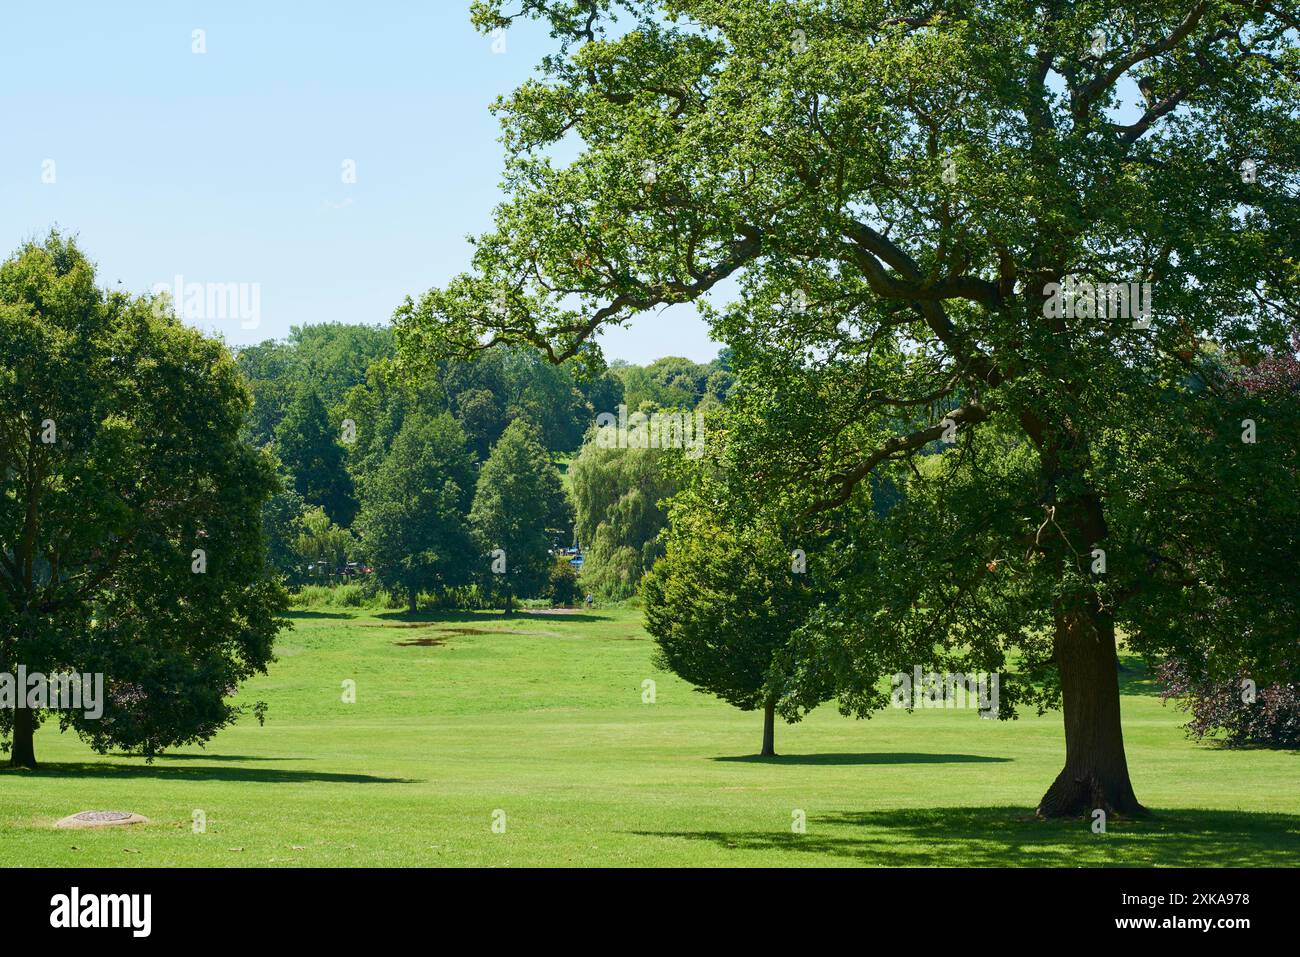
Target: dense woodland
{"points": [[385, 477]]}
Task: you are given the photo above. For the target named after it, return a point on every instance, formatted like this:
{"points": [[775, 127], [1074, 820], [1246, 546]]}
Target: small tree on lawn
{"points": [[725, 600]]}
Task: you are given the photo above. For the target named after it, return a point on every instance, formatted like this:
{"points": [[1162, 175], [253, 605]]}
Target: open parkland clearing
{"points": [[466, 720]]}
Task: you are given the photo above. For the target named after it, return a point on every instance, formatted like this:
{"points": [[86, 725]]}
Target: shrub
{"points": [[562, 588], [1271, 720], [349, 595]]}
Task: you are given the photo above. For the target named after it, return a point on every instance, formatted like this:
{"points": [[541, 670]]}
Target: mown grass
{"points": [[460, 715]]}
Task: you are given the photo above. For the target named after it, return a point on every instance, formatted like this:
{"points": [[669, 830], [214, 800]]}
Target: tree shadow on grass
{"points": [[1013, 837], [440, 615], [190, 773], [301, 613], [882, 757], [565, 616], [1135, 679], [450, 615], [209, 757]]}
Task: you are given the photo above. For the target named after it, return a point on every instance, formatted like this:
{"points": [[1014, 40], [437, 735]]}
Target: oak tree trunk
{"points": [[1095, 775], [769, 730], [22, 752]]}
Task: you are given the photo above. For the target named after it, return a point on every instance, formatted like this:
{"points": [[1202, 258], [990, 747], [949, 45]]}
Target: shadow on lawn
{"points": [[564, 616], [1012, 836], [1135, 679], [301, 613], [881, 757], [449, 615], [209, 757], [162, 772]]}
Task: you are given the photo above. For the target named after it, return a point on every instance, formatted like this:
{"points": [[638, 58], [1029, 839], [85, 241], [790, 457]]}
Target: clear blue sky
{"points": [[226, 167]]}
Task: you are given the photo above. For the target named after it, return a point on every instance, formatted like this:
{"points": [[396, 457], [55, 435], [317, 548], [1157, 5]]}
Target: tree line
{"points": [[421, 476]]}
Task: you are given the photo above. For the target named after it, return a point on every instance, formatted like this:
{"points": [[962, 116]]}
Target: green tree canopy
{"points": [[918, 208], [413, 509], [520, 513], [130, 516], [725, 602], [308, 446], [329, 358], [618, 515]]}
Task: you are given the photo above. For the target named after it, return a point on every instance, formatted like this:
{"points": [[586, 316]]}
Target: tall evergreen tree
{"points": [[309, 448], [520, 513], [725, 602]]}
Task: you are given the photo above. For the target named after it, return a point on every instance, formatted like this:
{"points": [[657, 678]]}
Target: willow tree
{"points": [[931, 214]]}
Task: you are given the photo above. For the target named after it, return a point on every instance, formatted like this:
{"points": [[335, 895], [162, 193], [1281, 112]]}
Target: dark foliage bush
{"points": [[1272, 719]]}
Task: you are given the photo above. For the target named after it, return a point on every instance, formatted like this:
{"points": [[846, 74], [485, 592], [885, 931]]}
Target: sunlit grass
{"points": [[461, 715]]}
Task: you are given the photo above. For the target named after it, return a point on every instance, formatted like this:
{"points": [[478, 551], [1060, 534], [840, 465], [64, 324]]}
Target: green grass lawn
{"points": [[541, 717]]}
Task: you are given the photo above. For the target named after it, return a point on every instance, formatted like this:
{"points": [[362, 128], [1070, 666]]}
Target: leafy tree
{"points": [[282, 524], [1240, 555], [1246, 716], [333, 357], [671, 382], [413, 509], [604, 393], [726, 600], [130, 515], [906, 198], [328, 358], [270, 371], [519, 508], [377, 409], [719, 387], [563, 587], [635, 380], [308, 447], [482, 418], [321, 545], [504, 383], [618, 515], [679, 383], [547, 396]]}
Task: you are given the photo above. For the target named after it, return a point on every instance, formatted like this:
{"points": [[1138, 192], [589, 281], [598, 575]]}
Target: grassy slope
{"points": [[549, 726]]}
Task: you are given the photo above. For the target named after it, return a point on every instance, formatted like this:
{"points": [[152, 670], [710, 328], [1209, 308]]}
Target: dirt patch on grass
{"points": [[101, 819], [438, 639], [491, 631]]}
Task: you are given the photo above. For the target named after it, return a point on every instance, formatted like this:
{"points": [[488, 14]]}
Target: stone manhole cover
{"points": [[101, 819]]}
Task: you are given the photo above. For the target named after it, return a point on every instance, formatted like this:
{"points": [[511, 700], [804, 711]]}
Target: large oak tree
{"points": [[894, 188]]}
